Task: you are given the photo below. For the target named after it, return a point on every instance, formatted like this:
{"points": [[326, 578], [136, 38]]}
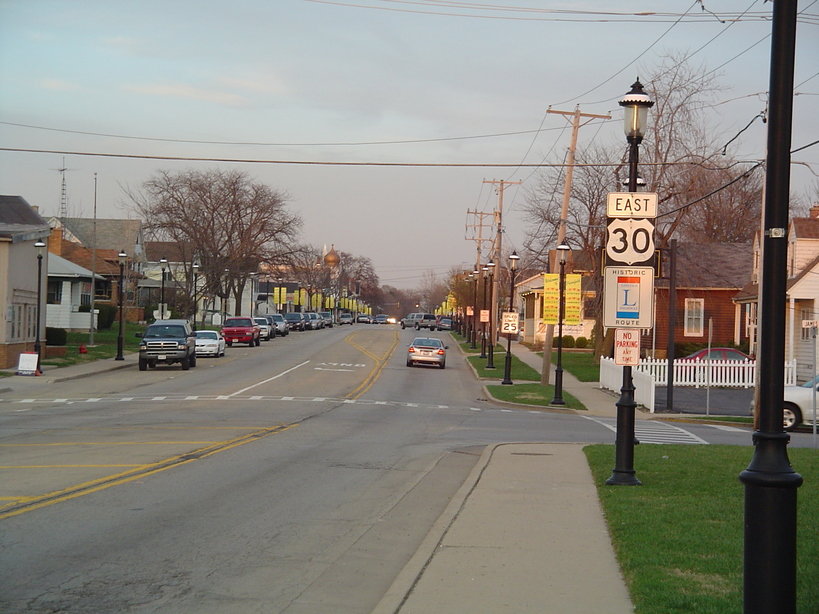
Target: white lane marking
{"points": [[723, 427], [269, 379], [647, 431]]}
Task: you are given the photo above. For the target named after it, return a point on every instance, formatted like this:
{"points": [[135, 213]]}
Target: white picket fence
{"points": [[695, 373]]}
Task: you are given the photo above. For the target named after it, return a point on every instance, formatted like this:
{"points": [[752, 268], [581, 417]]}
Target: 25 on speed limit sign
{"points": [[510, 323]]}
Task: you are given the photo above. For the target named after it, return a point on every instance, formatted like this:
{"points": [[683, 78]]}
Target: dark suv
{"points": [[167, 342]]}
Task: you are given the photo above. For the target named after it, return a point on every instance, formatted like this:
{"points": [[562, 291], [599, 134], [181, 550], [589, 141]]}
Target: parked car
{"points": [[265, 330], [798, 404], [210, 343], [167, 342], [295, 321], [345, 318], [718, 354], [427, 350], [280, 323], [314, 320], [443, 323], [381, 318], [364, 319], [241, 329], [327, 316]]}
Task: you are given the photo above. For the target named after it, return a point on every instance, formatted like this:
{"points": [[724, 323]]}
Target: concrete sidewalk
{"points": [[525, 533]]}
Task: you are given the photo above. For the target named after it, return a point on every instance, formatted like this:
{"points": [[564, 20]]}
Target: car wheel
{"points": [[403, 326], [152, 364], [443, 365], [258, 341], [193, 360], [409, 363], [229, 344], [417, 327], [431, 328], [791, 416], [143, 364], [186, 363]]}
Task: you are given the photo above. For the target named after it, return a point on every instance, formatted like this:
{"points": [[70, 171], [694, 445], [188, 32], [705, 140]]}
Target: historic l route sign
{"points": [[628, 297]]}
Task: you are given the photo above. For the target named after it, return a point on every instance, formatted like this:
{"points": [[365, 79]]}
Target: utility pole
{"points": [[495, 255], [576, 115]]}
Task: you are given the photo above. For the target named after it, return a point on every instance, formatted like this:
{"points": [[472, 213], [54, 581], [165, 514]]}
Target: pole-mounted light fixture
{"points": [[507, 367], [636, 104], [121, 256], [562, 254]]}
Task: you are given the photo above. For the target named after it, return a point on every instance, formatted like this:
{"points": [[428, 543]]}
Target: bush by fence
{"points": [[56, 336]]}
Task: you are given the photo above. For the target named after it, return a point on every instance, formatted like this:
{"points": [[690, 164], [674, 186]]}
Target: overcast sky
{"points": [[381, 81]]}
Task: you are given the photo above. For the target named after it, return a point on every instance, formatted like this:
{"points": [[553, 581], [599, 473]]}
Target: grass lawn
{"points": [[679, 537], [532, 394], [520, 370], [105, 345]]}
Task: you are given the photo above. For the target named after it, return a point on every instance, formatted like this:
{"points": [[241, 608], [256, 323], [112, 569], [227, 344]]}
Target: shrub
{"points": [[581, 342], [106, 316], [568, 341], [56, 336]]}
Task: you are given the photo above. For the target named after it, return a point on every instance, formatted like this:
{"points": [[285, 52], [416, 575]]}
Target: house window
{"points": [[54, 295], [694, 317], [806, 333]]}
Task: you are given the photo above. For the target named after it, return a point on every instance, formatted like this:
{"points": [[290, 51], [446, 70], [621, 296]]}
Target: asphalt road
{"points": [[719, 401], [299, 476]]}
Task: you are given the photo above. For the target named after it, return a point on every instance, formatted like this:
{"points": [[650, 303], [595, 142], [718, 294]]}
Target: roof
{"points": [[60, 267], [106, 263], [712, 265], [110, 233], [806, 227], [19, 220], [173, 251]]}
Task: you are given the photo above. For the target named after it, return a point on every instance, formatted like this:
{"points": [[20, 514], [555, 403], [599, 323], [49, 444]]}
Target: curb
{"points": [[408, 577]]}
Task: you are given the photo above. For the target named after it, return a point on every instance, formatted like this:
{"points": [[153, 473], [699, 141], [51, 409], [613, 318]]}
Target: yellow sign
{"points": [[572, 299]]}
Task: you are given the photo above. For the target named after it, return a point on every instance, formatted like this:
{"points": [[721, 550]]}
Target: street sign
{"points": [[484, 315], [510, 323], [628, 297], [631, 204], [626, 347], [630, 241]]}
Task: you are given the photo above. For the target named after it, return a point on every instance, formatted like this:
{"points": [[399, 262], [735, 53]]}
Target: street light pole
{"points": [[195, 267], [121, 257], [490, 362], [475, 274], [507, 367], [485, 270], [37, 346], [562, 250], [252, 284], [162, 263], [636, 104]]}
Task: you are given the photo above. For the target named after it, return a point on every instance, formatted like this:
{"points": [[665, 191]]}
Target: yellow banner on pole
{"points": [[572, 299]]}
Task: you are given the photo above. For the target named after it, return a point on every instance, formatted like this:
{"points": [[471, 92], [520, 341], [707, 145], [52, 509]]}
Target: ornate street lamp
{"points": [[507, 367], [163, 262], [37, 347], [475, 274], [252, 286], [195, 267], [562, 251], [225, 297], [121, 290], [485, 270], [490, 362], [636, 104]]}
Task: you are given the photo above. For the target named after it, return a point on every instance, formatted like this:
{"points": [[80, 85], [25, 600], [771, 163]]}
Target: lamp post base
{"points": [[558, 399]]}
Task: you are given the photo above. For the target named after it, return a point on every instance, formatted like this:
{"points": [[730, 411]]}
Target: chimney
{"points": [[814, 211]]}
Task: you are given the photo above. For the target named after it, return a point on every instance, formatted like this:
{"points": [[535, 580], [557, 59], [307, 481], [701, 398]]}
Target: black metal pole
{"points": [[119, 355], [473, 333], [770, 482], [623, 473], [672, 323], [195, 306], [37, 345], [507, 367], [483, 324], [162, 296], [561, 306], [490, 361]]}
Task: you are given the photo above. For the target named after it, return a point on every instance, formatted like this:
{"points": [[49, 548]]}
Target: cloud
{"points": [[186, 91], [265, 84], [58, 85]]}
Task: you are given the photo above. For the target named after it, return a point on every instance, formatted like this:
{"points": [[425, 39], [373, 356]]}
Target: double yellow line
{"points": [[380, 363]]}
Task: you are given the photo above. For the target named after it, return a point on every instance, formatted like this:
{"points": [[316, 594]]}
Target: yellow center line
{"points": [[67, 466], [106, 443], [380, 363], [134, 473]]}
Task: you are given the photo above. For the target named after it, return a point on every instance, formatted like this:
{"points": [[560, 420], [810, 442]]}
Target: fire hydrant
{"points": [[83, 349]]}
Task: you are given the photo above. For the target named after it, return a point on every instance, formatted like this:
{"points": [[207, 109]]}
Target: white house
{"points": [[69, 288]]}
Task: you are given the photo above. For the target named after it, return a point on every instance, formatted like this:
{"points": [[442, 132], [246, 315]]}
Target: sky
{"points": [[382, 120]]}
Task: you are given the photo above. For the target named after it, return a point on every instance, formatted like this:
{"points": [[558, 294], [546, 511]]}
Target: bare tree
{"points": [[231, 223]]}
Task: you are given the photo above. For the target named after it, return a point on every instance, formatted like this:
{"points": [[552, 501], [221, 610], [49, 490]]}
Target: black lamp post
{"points": [[252, 286], [485, 270], [636, 104], [562, 251], [37, 346], [225, 296], [162, 263], [770, 482], [121, 290], [473, 334], [507, 367], [195, 267], [490, 362]]}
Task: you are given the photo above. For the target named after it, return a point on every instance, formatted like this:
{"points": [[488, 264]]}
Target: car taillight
{"points": [[411, 350], [441, 352]]}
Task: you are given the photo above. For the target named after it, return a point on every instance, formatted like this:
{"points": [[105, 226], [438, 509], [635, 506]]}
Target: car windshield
{"points": [[238, 322], [278, 317], [261, 321], [428, 342], [811, 383], [206, 334], [165, 331], [429, 316]]}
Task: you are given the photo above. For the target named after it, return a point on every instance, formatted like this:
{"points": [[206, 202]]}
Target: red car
{"points": [[718, 354], [241, 329]]}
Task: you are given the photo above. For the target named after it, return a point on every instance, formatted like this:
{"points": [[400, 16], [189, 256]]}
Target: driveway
{"points": [[718, 401]]}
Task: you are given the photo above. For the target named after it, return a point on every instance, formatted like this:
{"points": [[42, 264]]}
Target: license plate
{"points": [[161, 357], [425, 353]]}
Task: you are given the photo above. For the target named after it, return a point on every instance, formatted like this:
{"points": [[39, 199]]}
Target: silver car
{"points": [[427, 351], [210, 343], [267, 331], [798, 406], [280, 323]]}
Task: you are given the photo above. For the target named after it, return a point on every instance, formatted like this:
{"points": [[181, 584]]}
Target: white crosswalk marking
{"points": [[653, 431]]}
